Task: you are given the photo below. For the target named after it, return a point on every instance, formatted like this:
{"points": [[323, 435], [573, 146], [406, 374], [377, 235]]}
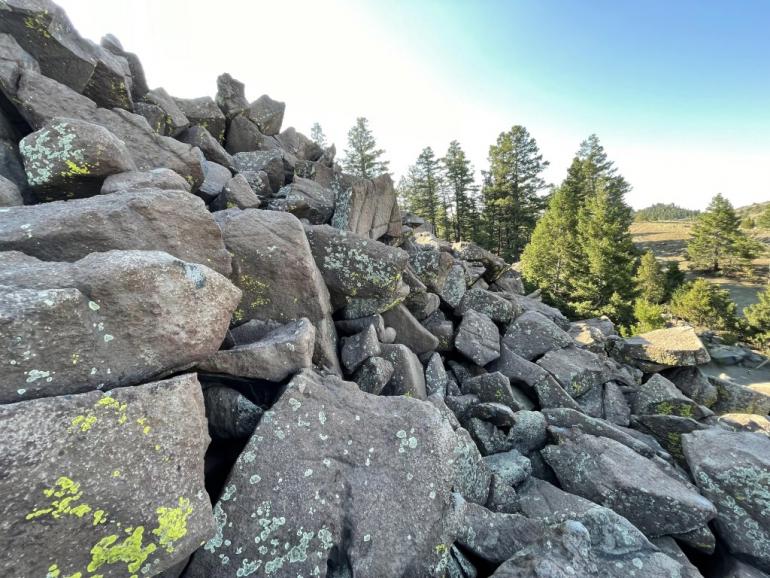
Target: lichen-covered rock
{"points": [[164, 179], [409, 332], [478, 338], [576, 370], [436, 377], [354, 266], [422, 305], [532, 334], [659, 396], [732, 469], [613, 475], [305, 199], [121, 318], [231, 96], [262, 243], [270, 162], [496, 388], [367, 207], [694, 384], [511, 467], [204, 113], [108, 484], [215, 178], [454, 286], [198, 136], [267, 114], [279, 354], [523, 303], [174, 120], [432, 267], [70, 157], [407, 378], [493, 306], [663, 348], [373, 375], [358, 348], [230, 414], [236, 194], [325, 473], [468, 251], [734, 397], [171, 221], [668, 430]]}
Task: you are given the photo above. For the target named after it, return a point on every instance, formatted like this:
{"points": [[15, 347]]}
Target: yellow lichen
{"points": [[67, 493], [172, 523], [130, 551]]}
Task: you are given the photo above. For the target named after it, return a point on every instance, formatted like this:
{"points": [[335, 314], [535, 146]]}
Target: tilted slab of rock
{"points": [[478, 338], [327, 472], [367, 207], [276, 356], [198, 136], [274, 267], [532, 334], [408, 377], [579, 371], [664, 348], [355, 266], [409, 331], [732, 469], [121, 318], [305, 199], [267, 114], [659, 396], [490, 304], [34, 97], [108, 485], [204, 112], [613, 475], [229, 413], [154, 220], [174, 120]]}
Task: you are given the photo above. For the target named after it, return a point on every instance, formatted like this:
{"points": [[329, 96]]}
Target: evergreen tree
{"points": [[757, 318], [674, 279], [422, 189], [458, 181], [511, 200], [718, 244], [362, 157], [704, 304], [317, 135], [649, 316], [650, 279]]}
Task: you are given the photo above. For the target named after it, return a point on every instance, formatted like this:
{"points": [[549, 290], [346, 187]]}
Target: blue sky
{"points": [[678, 92]]}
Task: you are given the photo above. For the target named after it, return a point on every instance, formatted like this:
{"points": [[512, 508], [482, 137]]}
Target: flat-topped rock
{"points": [[664, 348]]}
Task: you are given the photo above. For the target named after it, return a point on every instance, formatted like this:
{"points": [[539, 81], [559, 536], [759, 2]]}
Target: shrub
{"points": [[702, 303], [649, 316]]}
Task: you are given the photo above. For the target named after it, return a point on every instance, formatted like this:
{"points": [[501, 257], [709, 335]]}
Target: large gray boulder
{"points": [[204, 113], [659, 396], [663, 348], [490, 304], [305, 199], [409, 331], [478, 338], [198, 136], [732, 469], [367, 207], [274, 357], [263, 244], [253, 162], [164, 179], [577, 370], [407, 377], [173, 120], [104, 484], [231, 96], [334, 481], [267, 114], [532, 334], [120, 318], [39, 100], [613, 475], [70, 157], [153, 220]]}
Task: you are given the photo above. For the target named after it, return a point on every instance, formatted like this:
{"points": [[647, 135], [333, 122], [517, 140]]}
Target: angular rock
{"points": [[123, 317], [204, 113], [154, 116], [279, 354], [523, 303], [592, 333], [373, 375], [454, 287], [422, 305], [489, 438], [488, 303], [668, 430], [267, 114], [268, 161], [611, 474], [693, 383], [432, 268], [262, 243], [367, 207], [408, 378], [332, 487], [238, 194], [745, 422], [151, 220], [300, 146], [495, 387], [409, 332], [436, 376], [231, 98], [353, 326], [471, 252], [442, 329], [358, 348], [659, 396], [174, 120], [502, 497], [108, 484], [215, 179], [198, 136], [244, 136], [533, 334], [615, 406], [70, 157], [356, 307], [230, 414], [306, 200], [511, 467], [9, 193], [664, 348], [576, 370], [733, 397], [732, 469], [478, 338], [164, 179], [495, 413]]}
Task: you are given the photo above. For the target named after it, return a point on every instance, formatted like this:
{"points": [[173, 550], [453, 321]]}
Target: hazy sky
{"points": [[678, 92]]}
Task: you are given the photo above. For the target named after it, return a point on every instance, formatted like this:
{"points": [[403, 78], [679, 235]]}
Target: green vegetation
{"points": [[421, 191], [317, 135], [459, 183], [649, 316], [664, 212], [362, 157], [650, 279], [704, 304], [757, 318]]}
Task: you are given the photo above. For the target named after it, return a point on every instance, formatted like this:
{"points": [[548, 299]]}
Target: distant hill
{"points": [[664, 212], [754, 210]]}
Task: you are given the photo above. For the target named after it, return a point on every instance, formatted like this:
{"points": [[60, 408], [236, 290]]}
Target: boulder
{"points": [[215, 179], [732, 469], [164, 179], [238, 194], [174, 120], [367, 207], [304, 149], [267, 114], [693, 383], [422, 305], [306, 200], [109, 483], [231, 98], [523, 303], [10, 196], [663, 348], [533, 334], [70, 157], [358, 348], [407, 378], [138, 82], [733, 397], [490, 304], [262, 243], [454, 287], [468, 251], [478, 338], [198, 136], [373, 375], [511, 467], [325, 472], [613, 475], [244, 136], [231, 415], [432, 268], [576, 370], [151, 220], [496, 388], [436, 377], [409, 332], [659, 396], [122, 317], [205, 114], [255, 161], [442, 329], [668, 430], [279, 354]]}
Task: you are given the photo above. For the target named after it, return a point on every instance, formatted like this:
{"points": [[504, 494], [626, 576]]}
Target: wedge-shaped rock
{"points": [[198, 136], [467, 251], [253, 162], [490, 304], [409, 331], [153, 220], [496, 388], [367, 207], [432, 268], [694, 384], [478, 338], [354, 266], [321, 487], [659, 396], [204, 113], [408, 377], [174, 120], [664, 348], [305, 199], [70, 157], [279, 354], [613, 475], [359, 347], [732, 469], [230, 414], [273, 265], [237, 194], [532, 334], [108, 485], [267, 114], [120, 318], [576, 370]]}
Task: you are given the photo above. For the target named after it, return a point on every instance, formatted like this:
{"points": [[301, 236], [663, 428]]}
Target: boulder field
{"points": [[221, 356]]}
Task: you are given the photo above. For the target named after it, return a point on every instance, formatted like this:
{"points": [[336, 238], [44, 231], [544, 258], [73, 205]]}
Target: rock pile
{"points": [[223, 357]]}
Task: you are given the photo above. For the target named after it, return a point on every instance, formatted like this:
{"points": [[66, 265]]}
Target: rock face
{"points": [[367, 208], [325, 472], [110, 484], [128, 316]]}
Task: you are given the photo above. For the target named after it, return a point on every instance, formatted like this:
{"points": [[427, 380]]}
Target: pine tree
{"points": [[757, 318], [458, 181], [422, 189], [317, 135], [362, 157], [704, 304], [650, 279], [674, 279], [511, 201], [718, 244]]}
